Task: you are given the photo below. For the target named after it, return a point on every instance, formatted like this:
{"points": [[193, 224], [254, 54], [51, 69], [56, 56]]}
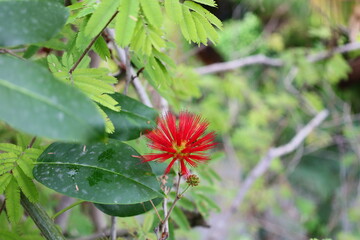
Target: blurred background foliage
{"points": [[313, 192]]}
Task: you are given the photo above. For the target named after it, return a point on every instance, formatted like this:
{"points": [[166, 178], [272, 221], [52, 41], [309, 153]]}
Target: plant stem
{"points": [[41, 219], [113, 228], [90, 45], [67, 208]]}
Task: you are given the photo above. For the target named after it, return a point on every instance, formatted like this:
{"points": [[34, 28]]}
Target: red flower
{"points": [[183, 142]]}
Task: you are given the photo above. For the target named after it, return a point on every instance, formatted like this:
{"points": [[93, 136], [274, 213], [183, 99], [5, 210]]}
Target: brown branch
{"points": [[91, 43], [273, 153], [273, 62]]}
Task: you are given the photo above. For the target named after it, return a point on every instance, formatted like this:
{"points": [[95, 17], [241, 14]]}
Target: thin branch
{"points": [[273, 153], [273, 62], [67, 208], [129, 76], [113, 228], [90, 44], [140, 90], [242, 62]]}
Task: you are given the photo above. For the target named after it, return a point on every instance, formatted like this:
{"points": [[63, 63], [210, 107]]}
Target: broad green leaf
{"points": [[7, 235], [133, 119], [12, 204], [25, 22], [57, 110], [4, 181], [101, 173], [26, 185], [126, 21], [102, 15], [174, 10], [152, 11], [9, 147], [129, 209]]}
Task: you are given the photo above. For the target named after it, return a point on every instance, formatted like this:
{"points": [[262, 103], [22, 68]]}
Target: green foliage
{"points": [[30, 21], [34, 93], [96, 172]]}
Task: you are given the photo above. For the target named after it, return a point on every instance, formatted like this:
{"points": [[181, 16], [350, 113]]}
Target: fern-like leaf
{"points": [[7, 162], [211, 3], [8, 147], [26, 185], [101, 48], [174, 10], [12, 204], [4, 181], [101, 17], [152, 11], [126, 21]]}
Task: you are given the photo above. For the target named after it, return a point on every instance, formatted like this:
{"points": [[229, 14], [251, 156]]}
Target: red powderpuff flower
{"points": [[184, 142]]}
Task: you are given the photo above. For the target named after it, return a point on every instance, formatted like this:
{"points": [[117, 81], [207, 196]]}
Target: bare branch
{"points": [[140, 90], [242, 62], [273, 153], [273, 62]]}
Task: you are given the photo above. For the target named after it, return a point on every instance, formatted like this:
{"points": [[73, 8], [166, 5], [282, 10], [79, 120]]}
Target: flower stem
{"points": [[67, 208]]}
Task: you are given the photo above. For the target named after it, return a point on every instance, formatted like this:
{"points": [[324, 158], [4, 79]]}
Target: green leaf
{"points": [[101, 48], [102, 15], [12, 204], [187, 26], [4, 181], [211, 3], [7, 235], [26, 164], [101, 173], [129, 209], [199, 28], [133, 119], [174, 10], [203, 12], [56, 110], [26, 185], [152, 11], [126, 21], [179, 217], [7, 162], [8, 147], [25, 22]]}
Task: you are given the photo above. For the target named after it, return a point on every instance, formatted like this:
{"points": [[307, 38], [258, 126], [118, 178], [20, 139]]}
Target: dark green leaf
{"points": [[101, 173], [133, 119], [24, 22], [39, 104], [129, 209]]}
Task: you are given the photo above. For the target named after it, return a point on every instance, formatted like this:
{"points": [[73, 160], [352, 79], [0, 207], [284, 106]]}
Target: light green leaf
{"points": [[152, 11], [32, 92], [204, 12], [101, 48], [174, 10], [25, 22], [126, 21], [103, 13], [199, 28], [8, 147], [26, 185], [102, 173], [27, 165], [12, 204], [188, 26], [4, 181], [211, 3], [7, 162]]}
